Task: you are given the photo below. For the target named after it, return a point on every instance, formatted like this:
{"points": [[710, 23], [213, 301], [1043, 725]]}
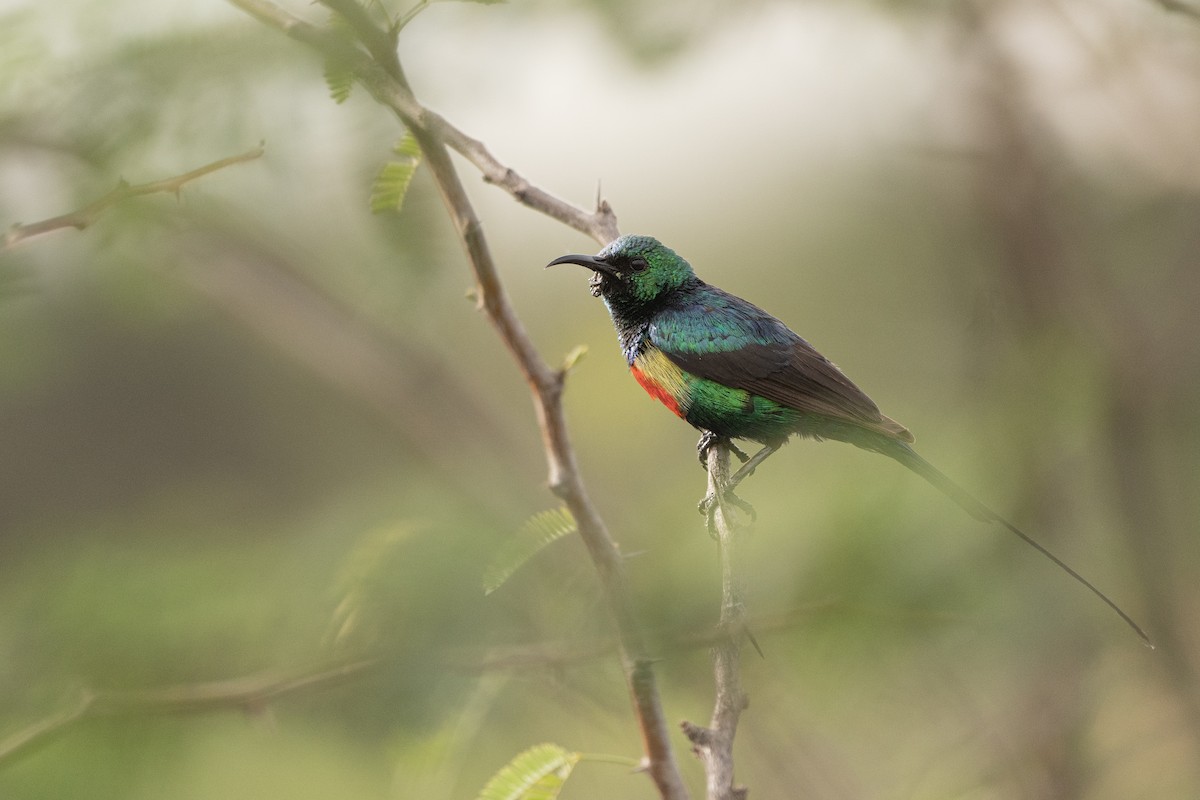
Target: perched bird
{"points": [[733, 371]]}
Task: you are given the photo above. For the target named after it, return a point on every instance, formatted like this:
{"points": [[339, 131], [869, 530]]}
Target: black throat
{"points": [[632, 317]]}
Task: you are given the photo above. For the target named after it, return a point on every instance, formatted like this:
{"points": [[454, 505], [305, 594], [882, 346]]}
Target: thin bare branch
{"points": [[407, 386], [714, 745], [83, 217], [380, 74], [250, 694], [564, 477], [600, 225]]}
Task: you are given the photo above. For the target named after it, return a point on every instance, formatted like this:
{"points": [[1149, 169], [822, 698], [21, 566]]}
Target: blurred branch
{"points": [[411, 14], [250, 694], [1145, 376], [392, 91], [556, 655], [714, 745], [1063, 313], [85, 216], [43, 730], [380, 73], [410, 390], [1180, 7]]}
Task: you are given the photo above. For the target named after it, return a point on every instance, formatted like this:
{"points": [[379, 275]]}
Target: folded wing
{"points": [[737, 344]]}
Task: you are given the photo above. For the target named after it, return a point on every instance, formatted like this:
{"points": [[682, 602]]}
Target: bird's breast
{"points": [[662, 380]]}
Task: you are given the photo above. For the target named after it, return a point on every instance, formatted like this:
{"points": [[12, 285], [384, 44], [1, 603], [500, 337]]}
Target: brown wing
{"points": [[735, 343]]}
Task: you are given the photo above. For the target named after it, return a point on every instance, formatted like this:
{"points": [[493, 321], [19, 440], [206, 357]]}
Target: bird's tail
{"points": [[902, 452]]}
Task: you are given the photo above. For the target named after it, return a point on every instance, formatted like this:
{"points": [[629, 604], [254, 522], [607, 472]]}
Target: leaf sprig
{"points": [[392, 182], [538, 532]]}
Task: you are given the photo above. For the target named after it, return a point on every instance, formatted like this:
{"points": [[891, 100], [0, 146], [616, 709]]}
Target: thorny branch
{"points": [[83, 217], [378, 70]]}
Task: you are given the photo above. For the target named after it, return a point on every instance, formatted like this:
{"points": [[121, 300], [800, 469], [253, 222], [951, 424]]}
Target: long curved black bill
{"points": [[591, 262]]}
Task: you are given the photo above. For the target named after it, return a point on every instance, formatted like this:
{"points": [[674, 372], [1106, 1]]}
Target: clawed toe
{"points": [[708, 507], [709, 440]]}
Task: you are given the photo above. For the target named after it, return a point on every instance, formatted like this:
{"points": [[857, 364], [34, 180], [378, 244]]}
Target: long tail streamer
{"points": [[910, 458]]}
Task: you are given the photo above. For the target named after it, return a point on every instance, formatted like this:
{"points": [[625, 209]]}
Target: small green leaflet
{"points": [[538, 531], [340, 80], [363, 581], [339, 77], [537, 774], [391, 184], [408, 147], [574, 357]]}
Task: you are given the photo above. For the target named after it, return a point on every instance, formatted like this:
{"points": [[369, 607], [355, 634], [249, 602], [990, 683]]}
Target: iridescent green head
{"points": [[633, 269]]}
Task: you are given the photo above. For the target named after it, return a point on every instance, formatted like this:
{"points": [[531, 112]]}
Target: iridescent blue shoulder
{"points": [[709, 320]]}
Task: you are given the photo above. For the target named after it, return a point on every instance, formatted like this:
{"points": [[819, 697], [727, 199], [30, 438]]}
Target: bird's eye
{"points": [[638, 264]]}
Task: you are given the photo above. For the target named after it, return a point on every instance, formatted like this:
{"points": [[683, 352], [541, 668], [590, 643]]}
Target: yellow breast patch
{"points": [[662, 379]]}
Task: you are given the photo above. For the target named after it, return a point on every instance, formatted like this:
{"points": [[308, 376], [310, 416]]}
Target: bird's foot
{"points": [[709, 440], [751, 464], [708, 507]]}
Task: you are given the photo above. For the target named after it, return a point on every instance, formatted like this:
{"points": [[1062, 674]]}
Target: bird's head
{"points": [[633, 270]]}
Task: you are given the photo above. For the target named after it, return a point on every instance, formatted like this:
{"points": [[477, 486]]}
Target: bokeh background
{"points": [[257, 431]]}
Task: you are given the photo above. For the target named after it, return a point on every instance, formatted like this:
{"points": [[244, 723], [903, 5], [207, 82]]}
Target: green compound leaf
{"points": [[364, 585], [537, 774], [391, 185], [340, 80], [538, 532], [408, 147]]}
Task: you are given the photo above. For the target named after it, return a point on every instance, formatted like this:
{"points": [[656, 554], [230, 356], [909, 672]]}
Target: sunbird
{"points": [[733, 371]]}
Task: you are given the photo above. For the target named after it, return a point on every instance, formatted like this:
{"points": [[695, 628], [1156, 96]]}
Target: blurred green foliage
{"points": [[257, 429]]}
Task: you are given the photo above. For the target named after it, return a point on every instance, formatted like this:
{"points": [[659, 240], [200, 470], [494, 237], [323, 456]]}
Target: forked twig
{"points": [[372, 60]]}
